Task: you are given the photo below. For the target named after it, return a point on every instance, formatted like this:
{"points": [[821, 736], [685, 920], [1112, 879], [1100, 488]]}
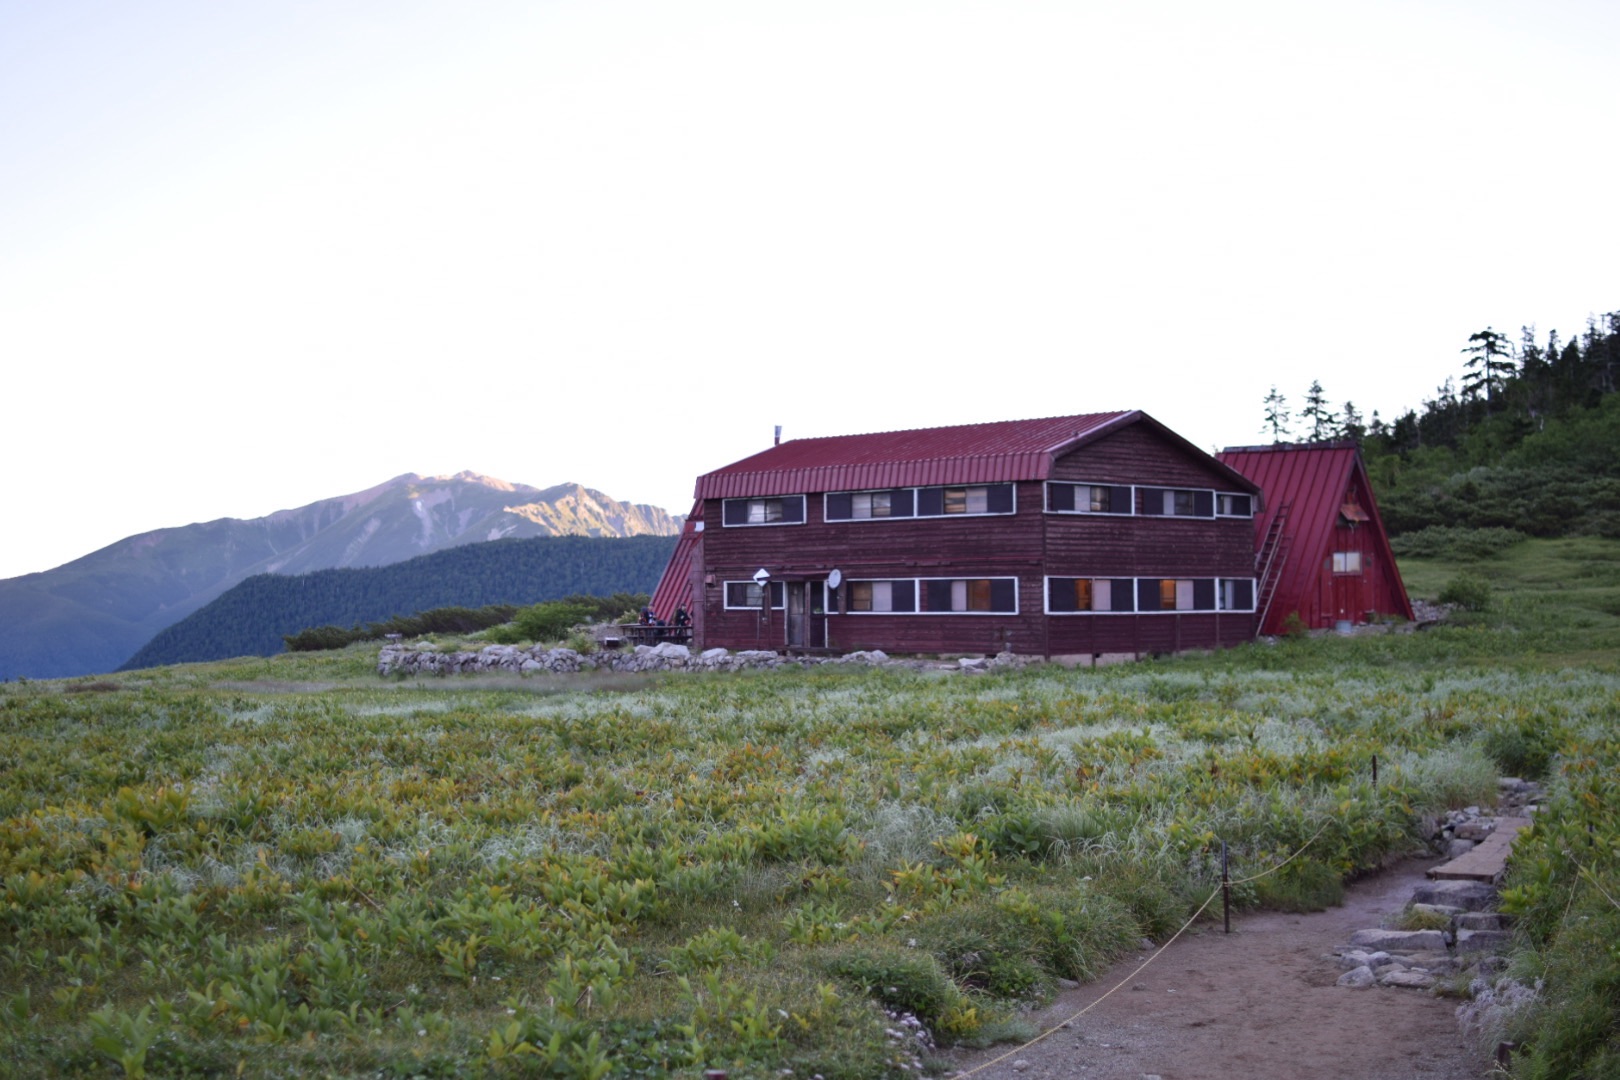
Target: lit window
{"points": [[875, 596]]}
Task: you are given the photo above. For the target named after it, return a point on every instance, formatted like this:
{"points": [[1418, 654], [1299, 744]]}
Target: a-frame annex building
{"points": [[1322, 551]]}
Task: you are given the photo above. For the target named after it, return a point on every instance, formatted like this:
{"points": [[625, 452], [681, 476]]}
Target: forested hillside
{"points": [[1527, 438], [251, 618]]}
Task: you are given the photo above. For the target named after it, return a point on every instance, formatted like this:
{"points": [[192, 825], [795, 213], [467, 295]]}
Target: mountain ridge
{"points": [[92, 613]]}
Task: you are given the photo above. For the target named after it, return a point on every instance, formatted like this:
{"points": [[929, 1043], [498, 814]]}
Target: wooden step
{"points": [[1488, 859]]}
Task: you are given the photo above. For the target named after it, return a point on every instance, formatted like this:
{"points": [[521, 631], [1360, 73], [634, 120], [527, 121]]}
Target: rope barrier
{"points": [[1055, 1028]]}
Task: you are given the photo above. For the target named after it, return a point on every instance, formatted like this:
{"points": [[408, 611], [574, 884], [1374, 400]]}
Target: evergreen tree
{"points": [[1322, 423], [1351, 426], [1490, 362], [1277, 415]]}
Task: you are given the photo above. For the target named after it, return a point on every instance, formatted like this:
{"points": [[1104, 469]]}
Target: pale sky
{"points": [[257, 254]]}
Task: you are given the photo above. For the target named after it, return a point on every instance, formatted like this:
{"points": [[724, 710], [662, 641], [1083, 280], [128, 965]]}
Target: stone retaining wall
{"points": [[422, 659]]}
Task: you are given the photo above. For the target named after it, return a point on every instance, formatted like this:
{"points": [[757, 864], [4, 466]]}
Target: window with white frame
{"points": [[1235, 594], [1066, 498], [934, 596], [1178, 502], [1347, 562], [998, 595], [1232, 504], [748, 594], [869, 505], [1066, 595], [965, 499], [880, 596], [778, 510]]}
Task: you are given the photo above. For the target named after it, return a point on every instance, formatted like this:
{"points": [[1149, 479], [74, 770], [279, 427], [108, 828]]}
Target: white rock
{"points": [[1359, 979]]}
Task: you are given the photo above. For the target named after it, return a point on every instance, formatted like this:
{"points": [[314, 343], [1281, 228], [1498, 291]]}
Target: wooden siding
{"points": [[1138, 455]]}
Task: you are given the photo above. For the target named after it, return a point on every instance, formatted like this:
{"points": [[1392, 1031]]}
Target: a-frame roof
{"points": [[1312, 480], [675, 587], [999, 452]]}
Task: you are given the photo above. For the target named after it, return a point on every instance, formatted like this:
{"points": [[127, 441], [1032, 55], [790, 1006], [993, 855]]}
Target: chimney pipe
{"points": [[778, 441]]}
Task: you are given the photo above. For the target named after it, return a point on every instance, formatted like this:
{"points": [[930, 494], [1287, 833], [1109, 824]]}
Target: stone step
{"points": [[1487, 861]]}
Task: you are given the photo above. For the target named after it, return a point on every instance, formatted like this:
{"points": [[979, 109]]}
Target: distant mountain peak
{"points": [[94, 612]]}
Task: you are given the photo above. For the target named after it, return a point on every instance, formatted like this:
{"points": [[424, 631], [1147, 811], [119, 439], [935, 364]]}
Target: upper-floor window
{"points": [[1067, 498], [1232, 504], [919, 502], [780, 510], [864, 505], [965, 499], [1347, 562], [1178, 502]]}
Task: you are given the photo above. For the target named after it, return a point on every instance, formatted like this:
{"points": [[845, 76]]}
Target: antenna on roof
{"points": [[778, 441]]}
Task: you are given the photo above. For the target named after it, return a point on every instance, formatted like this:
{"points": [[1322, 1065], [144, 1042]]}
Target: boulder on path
{"points": [[1359, 979], [1467, 895], [1400, 940]]}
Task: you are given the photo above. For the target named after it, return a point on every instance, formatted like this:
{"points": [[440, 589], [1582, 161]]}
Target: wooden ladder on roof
{"points": [[1270, 560]]}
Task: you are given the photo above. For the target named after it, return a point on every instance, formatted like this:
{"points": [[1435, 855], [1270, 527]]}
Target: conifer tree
{"points": [[1277, 415], [1490, 362], [1323, 424]]}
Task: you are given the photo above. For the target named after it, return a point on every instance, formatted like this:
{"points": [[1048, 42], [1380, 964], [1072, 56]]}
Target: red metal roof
{"points": [[999, 452], [675, 587], [1313, 480]]}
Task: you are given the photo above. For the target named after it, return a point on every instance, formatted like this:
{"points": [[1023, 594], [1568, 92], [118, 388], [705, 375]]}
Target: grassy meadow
{"points": [[292, 867]]}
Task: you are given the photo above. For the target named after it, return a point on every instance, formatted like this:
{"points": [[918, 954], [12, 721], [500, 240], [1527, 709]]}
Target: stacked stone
{"points": [[1475, 933], [398, 659]]}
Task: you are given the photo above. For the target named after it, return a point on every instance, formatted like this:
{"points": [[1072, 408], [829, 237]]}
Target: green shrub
{"points": [[986, 947], [900, 978], [1293, 626], [1522, 747], [1467, 591], [551, 621]]}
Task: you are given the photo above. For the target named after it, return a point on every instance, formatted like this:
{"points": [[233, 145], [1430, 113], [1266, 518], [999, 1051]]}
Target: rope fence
{"points": [[1220, 890]]}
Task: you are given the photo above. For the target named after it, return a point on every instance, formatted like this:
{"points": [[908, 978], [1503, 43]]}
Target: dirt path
{"points": [[1259, 1003]]}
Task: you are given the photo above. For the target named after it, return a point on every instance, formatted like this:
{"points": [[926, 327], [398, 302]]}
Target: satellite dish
{"points": [[835, 578], [761, 576]]}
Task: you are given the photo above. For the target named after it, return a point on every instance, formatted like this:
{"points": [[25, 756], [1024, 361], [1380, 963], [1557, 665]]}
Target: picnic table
{"points": [[653, 634]]}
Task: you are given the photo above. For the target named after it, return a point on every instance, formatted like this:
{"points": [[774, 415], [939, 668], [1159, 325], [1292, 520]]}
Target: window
{"points": [[1228, 504], [747, 594], [1078, 595], [980, 499], [971, 594], [1065, 498], [1176, 594], [1236, 594], [874, 596], [1178, 502], [786, 510], [1347, 562], [864, 505], [935, 596], [1111, 595]]}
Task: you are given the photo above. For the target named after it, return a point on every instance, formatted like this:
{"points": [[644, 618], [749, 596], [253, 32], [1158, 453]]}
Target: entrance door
{"points": [[796, 617], [818, 615]]}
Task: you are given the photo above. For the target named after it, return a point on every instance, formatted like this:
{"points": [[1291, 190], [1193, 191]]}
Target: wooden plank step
{"points": [[1488, 859]]}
